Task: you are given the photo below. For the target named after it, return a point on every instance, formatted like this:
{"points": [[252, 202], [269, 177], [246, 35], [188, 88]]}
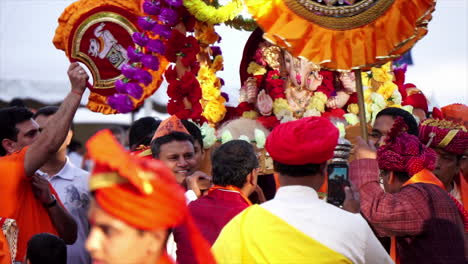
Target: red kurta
{"points": [[211, 213]]}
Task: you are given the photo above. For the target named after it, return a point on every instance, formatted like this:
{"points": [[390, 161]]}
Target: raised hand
{"points": [[264, 103], [78, 78], [348, 79], [352, 203], [41, 189]]}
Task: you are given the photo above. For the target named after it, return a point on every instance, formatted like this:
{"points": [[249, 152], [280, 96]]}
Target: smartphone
{"points": [[337, 181]]}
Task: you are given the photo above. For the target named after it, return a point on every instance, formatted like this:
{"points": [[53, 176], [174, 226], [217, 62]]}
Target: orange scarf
{"points": [[424, 176], [231, 188]]}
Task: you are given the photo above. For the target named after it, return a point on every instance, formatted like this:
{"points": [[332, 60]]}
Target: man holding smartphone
{"points": [[296, 226]]}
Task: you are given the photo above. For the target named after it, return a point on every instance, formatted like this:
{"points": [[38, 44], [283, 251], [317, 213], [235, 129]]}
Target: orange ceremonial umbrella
{"points": [[344, 35]]}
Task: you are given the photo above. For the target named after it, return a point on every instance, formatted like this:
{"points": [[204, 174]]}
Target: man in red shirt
{"points": [[234, 168], [26, 197]]}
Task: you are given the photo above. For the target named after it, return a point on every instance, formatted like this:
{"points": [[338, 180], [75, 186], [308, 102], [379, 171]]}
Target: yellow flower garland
{"points": [[211, 14]]}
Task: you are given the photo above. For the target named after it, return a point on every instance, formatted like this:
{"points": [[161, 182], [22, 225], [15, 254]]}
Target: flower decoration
{"points": [[226, 137], [260, 138], [155, 25], [152, 7], [209, 135], [212, 15], [245, 138], [351, 118], [256, 69]]}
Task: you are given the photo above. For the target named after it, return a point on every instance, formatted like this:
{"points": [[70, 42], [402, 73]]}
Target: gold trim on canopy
{"points": [[342, 17]]}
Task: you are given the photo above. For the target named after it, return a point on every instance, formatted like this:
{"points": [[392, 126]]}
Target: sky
{"points": [[30, 66]]}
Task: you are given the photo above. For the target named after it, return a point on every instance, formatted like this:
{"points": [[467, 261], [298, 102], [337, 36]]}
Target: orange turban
{"points": [[444, 134], [142, 192], [305, 141], [457, 113], [172, 124]]}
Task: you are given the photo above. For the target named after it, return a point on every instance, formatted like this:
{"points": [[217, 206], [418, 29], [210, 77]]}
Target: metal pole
{"points": [[362, 106]]}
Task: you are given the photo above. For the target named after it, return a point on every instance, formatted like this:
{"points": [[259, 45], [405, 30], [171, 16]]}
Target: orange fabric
{"points": [[71, 16], [19, 202], [386, 38], [393, 251], [142, 186], [277, 182], [424, 176], [232, 188], [172, 124], [457, 113], [5, 255]]}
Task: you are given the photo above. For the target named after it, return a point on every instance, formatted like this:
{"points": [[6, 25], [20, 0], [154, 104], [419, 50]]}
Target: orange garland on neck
{"points": [[231, 188]]}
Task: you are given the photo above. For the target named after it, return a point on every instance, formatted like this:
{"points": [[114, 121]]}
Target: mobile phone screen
{"points": [[337, 181]]}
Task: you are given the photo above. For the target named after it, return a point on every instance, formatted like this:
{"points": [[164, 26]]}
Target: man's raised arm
{"points": [[53, 135]]}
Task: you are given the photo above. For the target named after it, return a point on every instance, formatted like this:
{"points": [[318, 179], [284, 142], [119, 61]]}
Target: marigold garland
{"points": [[212, 15], [212, 101]]}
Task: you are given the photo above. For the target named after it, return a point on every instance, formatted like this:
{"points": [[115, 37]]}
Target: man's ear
{"points": [[8, 145], [252, 177]]}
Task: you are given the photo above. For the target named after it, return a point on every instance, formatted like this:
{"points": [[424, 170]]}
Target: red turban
{"points": [[417, 101], [305, 141], [142, 192], [404, 152], [444, 134]]}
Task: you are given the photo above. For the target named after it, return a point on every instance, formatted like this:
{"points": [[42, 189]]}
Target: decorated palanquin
{"points": [[297, 63]]}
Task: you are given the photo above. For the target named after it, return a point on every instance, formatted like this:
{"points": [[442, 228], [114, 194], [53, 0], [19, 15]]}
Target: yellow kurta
{"points": [[258, 236]]}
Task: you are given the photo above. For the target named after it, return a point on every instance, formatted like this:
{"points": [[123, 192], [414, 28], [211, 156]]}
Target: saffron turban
{"points": [[457, 113], [403, 152], [309, 140], [141, 192], [172, 124], [444, 134]]}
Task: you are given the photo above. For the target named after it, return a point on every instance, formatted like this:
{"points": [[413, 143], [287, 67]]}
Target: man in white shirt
{"points": [[71, 184], [296, 226]]}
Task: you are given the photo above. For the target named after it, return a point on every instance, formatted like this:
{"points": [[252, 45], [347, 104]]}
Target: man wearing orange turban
{"points": [[450, 141], [296, 226], [136, 202]]}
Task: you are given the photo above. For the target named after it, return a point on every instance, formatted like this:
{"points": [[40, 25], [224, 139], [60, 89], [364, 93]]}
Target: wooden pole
{"points": [[362, 106]]}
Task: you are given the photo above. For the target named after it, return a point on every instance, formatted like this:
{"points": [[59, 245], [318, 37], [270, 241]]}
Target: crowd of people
{"points": [[160, 200]]}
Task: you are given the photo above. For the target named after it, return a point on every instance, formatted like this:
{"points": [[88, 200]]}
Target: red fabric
{"points": [[422, 216], [19, 202], [404, 152], [437, 114], [211, 213], [417, 101], [249, 52], [132, 202], [304, 141], [439, 130]]}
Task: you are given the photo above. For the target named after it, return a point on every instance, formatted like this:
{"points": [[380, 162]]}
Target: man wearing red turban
{"points": [[415, 209], [296, 226], [136, 202], [450, 141]]}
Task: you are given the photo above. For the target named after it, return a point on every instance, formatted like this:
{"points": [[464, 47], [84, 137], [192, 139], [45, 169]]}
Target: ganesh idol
{"points": [[278, 87]]}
